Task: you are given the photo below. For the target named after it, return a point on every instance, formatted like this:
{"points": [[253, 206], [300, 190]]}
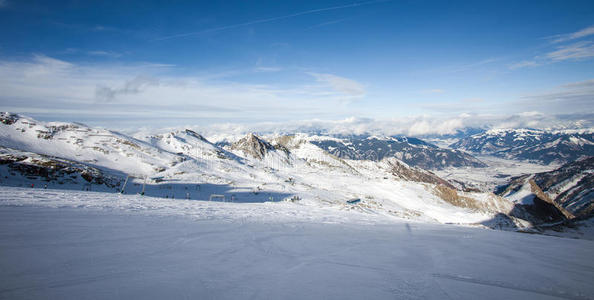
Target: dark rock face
{"points": [[412, 151], [536, 145]]}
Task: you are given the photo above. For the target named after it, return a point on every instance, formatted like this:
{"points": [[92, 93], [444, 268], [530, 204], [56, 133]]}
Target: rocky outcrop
{"points": [[52, 169], [252, 145]]}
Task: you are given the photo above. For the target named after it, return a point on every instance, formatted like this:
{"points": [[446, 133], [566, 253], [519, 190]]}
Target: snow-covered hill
{"points": [[528, 144], [183, 164]]}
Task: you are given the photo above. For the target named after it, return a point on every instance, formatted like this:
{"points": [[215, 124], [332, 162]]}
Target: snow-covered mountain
{"points": [[183, 164], [413, 151], [567, 191], [77, 142], [17, 166], [528, 144]]}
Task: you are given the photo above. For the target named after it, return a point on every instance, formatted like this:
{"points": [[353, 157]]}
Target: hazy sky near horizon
{"points": [[158, 63]]}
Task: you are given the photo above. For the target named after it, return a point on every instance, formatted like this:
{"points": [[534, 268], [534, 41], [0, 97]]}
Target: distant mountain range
{"points": [[413, 151], [528, 144]]}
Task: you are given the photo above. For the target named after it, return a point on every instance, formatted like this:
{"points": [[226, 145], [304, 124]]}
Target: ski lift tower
{"points": [[123, 190]]}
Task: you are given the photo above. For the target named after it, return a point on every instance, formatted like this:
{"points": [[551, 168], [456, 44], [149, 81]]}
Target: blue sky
{"points": [[158, 63]]}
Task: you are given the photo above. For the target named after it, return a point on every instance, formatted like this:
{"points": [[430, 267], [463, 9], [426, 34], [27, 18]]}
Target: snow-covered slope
{"points": [[110, 246], [186, 142], [528, 144], [183, 164]]}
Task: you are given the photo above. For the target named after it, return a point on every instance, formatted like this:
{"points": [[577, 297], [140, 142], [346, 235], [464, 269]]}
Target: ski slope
{"points": [[81, 245]]}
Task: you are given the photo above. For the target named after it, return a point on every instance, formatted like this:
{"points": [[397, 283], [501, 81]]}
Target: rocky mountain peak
{"points": [[253, 145]]}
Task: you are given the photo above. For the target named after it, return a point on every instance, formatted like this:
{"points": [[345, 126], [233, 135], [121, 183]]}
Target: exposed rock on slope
{"points": [[16, 164], [406, 172], [253, 146]]}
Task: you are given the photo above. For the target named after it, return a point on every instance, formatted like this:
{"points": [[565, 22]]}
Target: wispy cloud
{"points": [[266, 20], [524, 64], [566, 48], [104, 53], [99, 53], [104, 28], [267, 69], [575, 51], [432, 91], [574, 35], [343, 85], [568, 98], [588, 84]]}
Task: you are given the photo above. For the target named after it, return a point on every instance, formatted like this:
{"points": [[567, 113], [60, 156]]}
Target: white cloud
{"points": [[343, 85], [145, 94], [149, 93], [409, 126], [580, 84], [531, 114], [44, 64], [574, 35], [523, 64], [104, 53], [575, 51]]}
